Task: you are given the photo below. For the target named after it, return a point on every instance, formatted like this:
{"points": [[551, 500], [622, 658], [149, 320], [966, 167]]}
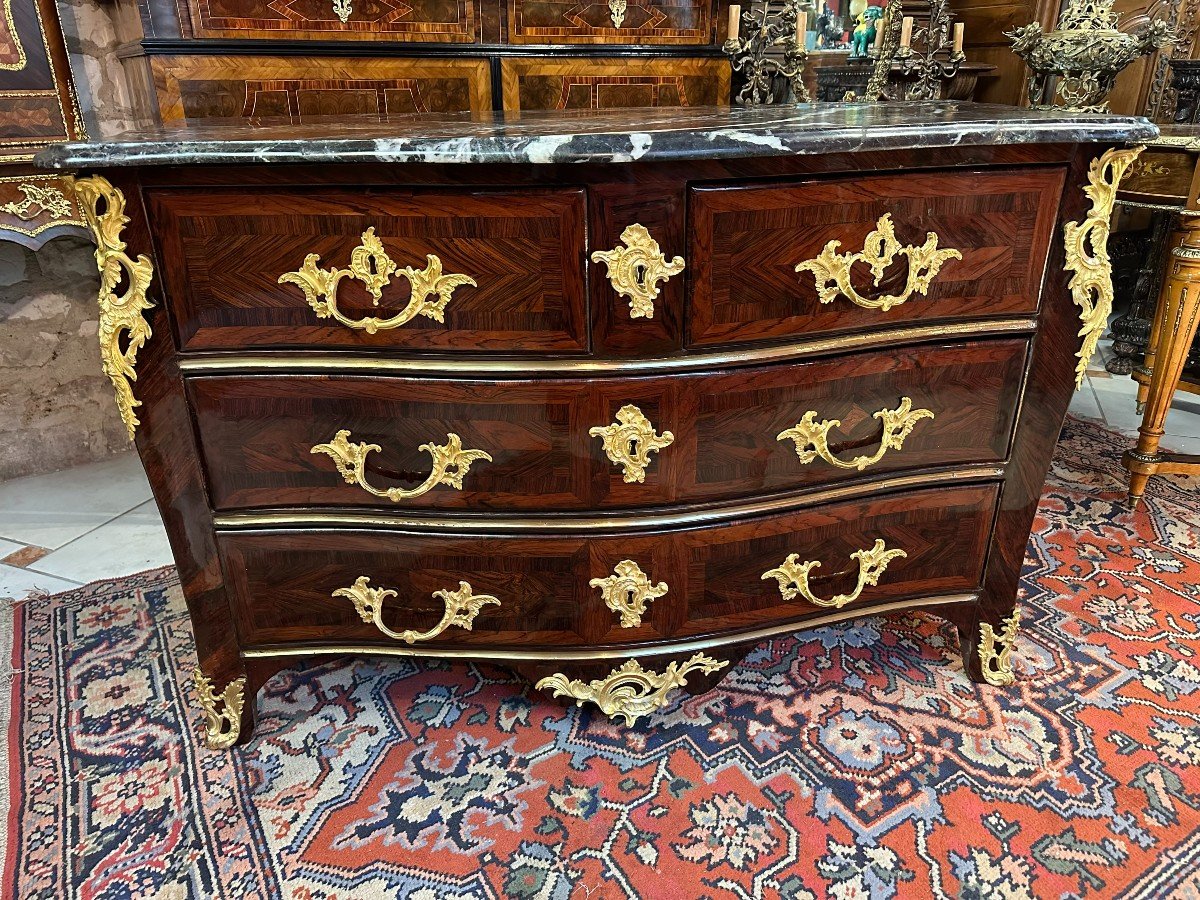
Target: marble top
{"points": [[606, 136]]}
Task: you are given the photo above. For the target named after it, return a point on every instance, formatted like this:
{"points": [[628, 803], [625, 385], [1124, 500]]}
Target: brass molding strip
{"points": [[467, 366], [494, 523], [566, 654]]}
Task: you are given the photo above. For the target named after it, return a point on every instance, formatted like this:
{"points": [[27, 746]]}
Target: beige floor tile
{"points": [[52, 510], [17, 583], [129, 543]]}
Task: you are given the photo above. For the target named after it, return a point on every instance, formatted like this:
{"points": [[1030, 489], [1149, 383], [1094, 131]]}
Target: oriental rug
{"points": [[856, 762]]}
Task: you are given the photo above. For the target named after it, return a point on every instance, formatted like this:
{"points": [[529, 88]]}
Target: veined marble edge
{"points": [[680, 143]]}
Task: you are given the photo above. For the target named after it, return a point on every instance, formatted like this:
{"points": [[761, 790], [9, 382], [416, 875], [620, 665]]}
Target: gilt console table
{"points": [[605, 403]]}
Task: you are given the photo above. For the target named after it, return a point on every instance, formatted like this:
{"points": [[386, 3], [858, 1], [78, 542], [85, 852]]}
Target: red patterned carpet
{"points": [[857, 762]]}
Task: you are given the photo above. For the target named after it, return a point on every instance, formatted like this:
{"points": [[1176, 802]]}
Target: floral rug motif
{"points": [[854, 762]]}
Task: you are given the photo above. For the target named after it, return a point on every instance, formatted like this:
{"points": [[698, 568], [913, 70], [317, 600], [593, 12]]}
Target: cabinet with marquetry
{"points": [[301, 62], [37, 108]]}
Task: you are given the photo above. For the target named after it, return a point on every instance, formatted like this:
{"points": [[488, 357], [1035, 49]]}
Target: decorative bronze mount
{"points": [[765, 30], [1086, 50]]}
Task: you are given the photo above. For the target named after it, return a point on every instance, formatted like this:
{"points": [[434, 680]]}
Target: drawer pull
{"points": [[793, 575], [630, 692], [635, 270], [462, 606], [629, 441], [370, 264], [450, 464], [812, 437], [880, 249], [628, 591]]}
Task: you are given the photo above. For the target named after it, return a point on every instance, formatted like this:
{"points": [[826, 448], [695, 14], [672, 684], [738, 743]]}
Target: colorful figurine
{"points": [[864, 32]]}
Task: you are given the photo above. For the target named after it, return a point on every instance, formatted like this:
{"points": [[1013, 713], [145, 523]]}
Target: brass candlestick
{"points": [[769, 26], [913, 61]]}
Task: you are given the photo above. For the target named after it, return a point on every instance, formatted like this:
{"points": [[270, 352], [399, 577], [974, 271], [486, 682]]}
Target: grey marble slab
{"points": [[608, 136]]}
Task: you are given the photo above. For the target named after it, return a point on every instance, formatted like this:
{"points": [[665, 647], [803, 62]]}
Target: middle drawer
{"points": [[572, 444]]}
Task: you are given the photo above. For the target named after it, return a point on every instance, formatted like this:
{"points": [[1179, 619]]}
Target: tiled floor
{"points": [[98, 521]]}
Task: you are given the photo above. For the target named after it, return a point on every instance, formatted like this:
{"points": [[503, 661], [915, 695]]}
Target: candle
{"points": [[880, 28], [735, 21], [801, 27], [959, 28], [906, 26]]}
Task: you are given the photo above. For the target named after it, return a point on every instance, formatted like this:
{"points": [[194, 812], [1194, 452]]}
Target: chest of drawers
{"points": [[608, 406]]}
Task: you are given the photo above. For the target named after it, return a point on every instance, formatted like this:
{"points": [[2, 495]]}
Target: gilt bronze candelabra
{"points": [[929, 57], [1086, 50], [757, 32]]}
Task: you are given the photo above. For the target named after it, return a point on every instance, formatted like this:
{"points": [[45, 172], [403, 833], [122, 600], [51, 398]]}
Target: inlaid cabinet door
{"points": [[611, 83], [443, 21], [609, 22], [296, 90]]}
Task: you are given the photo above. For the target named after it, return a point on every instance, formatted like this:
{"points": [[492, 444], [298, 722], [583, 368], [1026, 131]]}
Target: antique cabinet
{"points": [[605, 402], [37, 108], [306, 59]]}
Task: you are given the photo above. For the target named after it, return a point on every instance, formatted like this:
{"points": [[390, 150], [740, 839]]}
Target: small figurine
{"points": [[863, 38]]}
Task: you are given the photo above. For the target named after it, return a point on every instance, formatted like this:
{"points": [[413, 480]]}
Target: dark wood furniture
{"points": [[1164, 182], [294, 62], [1163, 326], [37, 108], [628, 402]]}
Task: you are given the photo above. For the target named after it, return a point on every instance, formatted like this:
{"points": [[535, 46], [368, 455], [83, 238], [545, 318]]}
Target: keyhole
{"points": [[633, 446], [639, 272]]}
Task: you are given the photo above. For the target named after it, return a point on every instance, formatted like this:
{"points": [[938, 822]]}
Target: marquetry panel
{"points": [[224, 251], [602, 83], [282, 583], [408, 20], [298, 89], [747, 241], [258, 433], [36, 98], [35, 206], [595, 22]]}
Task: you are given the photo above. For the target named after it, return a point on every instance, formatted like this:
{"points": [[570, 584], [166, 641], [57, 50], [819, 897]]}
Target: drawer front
{"points": [[962, 245], [614, 22], [742, 433], [418, 20], [484, 271], [628, 588], [1160, 176], [611, 83], [293, 90]]}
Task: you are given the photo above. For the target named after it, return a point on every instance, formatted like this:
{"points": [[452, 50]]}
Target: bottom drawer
{"points": [[628, 587]]}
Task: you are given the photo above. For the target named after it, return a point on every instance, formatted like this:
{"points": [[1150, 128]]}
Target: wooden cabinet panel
{"points": [[37, 102], [35, 207], [408, 20], [225, 249], [600, 22], [258, 433], [283, 583], [747, 241], [295, 90], [603, 83]]}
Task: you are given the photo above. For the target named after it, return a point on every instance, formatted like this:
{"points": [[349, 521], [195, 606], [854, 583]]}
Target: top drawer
{"points": [[746, 244], [386, 268]]}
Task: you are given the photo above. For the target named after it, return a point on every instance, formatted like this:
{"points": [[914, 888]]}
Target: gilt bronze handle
{"points": [[450, 464], [880, 249], [793, 575], [370, 264], [461, 608], [812, 437]]}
